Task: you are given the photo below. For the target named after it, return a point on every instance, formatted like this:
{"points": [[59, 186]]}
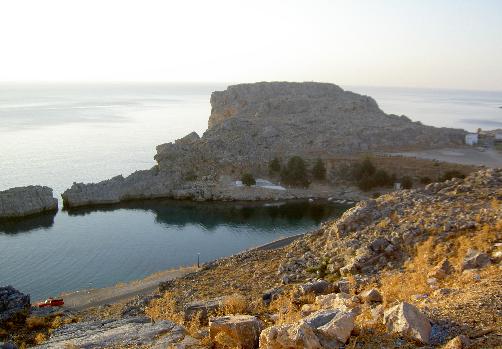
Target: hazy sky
{"points": [[422, 43]]}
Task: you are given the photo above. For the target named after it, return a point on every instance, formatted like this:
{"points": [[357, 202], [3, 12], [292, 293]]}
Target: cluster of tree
{"points": [[295, 171], [367, 176]]}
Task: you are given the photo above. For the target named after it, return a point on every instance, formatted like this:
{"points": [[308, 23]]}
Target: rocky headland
{"points": [[25, 201], [413, 268], [249, 125]]}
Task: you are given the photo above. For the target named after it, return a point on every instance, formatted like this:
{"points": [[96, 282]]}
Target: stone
{"points": [[8, 345], [339, 327], [334, 300], [242, 331], [289, 336], [459, 342], [127, 332], [442, 270], [344, 285], [475, 259], [320, 317], [372, 295], [408, 321], [271, 294], [13, 304], [202, 308], [25, 201], [315, 287]]}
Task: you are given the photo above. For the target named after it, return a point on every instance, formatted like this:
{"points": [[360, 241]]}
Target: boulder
{"points": [[340, 326], [372, 295], [408, 321], [315, 287], [475, 259], [202, 308], [241, 331], [334, 301], [271, 294], [13, 304], [24, 201], [289, 336], [127, 332]]}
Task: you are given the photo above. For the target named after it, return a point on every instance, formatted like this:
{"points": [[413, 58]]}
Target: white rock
{"points": [[407, 320]]}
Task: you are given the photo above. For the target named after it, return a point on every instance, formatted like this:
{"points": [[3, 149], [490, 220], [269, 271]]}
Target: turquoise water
{"points": [[47, 254]]}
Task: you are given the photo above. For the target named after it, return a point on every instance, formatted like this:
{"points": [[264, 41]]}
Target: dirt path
{"points": [[463, 155], [88, 298]]}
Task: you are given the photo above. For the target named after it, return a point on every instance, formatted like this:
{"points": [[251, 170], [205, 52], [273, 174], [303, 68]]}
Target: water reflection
{"points": [[213, 214], [27, 224]]}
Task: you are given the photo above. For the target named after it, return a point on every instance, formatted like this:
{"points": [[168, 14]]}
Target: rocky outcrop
{"points": [[127, 332], [13, 304], [25, 201], [253, 123]]}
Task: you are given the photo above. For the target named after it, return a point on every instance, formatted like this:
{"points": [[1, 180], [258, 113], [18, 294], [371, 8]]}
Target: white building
{"points": [[498, 137], [471, 139]]}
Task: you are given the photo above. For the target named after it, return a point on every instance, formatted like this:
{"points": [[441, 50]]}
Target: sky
{"points": [[412, 43]]}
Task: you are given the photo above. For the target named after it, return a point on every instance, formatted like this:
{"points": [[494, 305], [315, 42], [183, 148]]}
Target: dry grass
{"points": [[165, 308], [235, 304], [401, 286]]}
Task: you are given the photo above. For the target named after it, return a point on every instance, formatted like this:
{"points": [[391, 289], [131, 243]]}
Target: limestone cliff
{"points": [[253, 123]]}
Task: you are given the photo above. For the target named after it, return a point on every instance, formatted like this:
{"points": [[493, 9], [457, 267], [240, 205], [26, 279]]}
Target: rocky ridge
{"points": [[253, 123], [25, 201]]}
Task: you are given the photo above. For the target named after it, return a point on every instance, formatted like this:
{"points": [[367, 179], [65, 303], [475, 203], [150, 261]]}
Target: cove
{"points": [[98, 247]]}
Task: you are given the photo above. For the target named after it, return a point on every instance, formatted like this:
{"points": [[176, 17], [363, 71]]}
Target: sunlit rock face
{"points": [[252, 123]]}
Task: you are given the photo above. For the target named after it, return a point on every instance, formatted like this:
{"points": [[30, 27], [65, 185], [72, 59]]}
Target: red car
{"points": [[51, 302]]}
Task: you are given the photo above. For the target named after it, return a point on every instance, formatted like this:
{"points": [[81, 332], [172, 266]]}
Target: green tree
{"points": [[406, 182], [319, 170], [381, 178], [452, 174], [248, 179], [363, 169], [295, 172], [274, 166]]}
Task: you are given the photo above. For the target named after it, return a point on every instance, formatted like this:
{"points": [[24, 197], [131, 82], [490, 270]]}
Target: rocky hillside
{"points": [[415, 268], [253, 123]]}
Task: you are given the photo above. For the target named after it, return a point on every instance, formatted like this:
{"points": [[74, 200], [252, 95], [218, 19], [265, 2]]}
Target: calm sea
{"points": [[55, 134]]}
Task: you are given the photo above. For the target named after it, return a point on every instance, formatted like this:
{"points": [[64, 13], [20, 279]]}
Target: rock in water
{"points": [[407, 320], [25, 201], [241, 331], [13, 304]]}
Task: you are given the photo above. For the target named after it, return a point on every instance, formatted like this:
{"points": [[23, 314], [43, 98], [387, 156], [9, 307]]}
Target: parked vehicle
{"points": [[51, 302]]}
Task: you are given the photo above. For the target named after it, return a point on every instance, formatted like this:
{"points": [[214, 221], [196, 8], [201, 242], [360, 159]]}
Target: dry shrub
{"points": [[495, 204], [39, 338], [165, 308], [288, 307], [34, 322], [235, 304]]}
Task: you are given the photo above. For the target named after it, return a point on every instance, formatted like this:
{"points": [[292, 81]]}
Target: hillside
{"points": [[410, 269]]}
